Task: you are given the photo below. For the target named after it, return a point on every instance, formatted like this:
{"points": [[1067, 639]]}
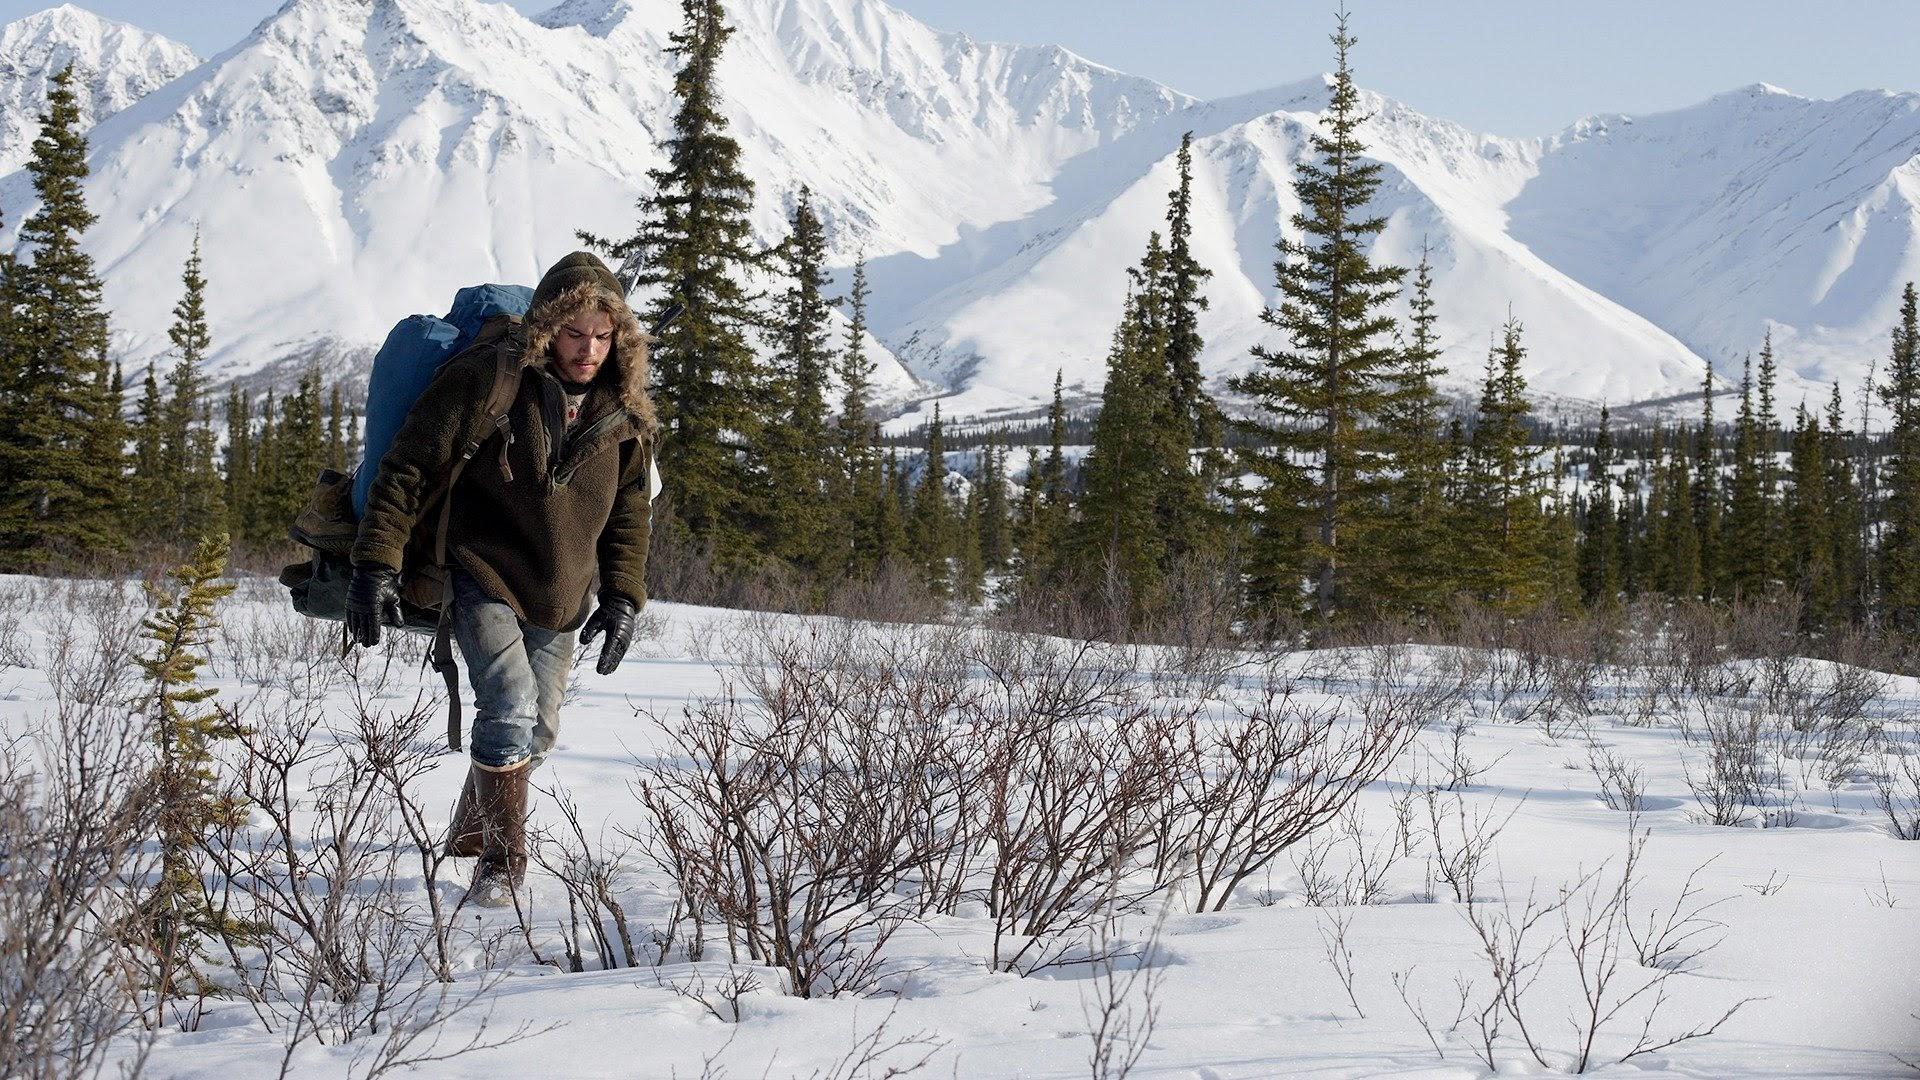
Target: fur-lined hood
{"points": [[628, 358]]}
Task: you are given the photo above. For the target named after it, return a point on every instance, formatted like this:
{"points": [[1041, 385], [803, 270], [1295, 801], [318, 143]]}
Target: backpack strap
{"points": [[506, 387]]}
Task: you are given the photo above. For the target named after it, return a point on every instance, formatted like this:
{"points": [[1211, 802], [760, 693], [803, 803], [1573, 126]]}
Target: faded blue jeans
{"points": [[518, 674]]}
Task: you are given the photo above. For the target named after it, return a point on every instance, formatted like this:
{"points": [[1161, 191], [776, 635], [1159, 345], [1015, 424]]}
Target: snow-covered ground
{"points": [[1817, 921]]}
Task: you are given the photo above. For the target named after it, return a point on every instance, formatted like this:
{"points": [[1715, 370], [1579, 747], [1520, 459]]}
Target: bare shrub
{"points": [[338, 953], [1584, 930], [1463, 843], [1069, 808], [74, 812], [790, 812], [1623, 785], [1123, 1008], [1897, 785], [1731, 783], [591, 871], [1334, 928], [1284, 769]]}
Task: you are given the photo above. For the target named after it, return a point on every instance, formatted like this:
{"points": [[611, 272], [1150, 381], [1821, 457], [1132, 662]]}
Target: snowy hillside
{"points": [[1755, 208], [354, 160], [351, 161], [1048, 293], [116, 64]]}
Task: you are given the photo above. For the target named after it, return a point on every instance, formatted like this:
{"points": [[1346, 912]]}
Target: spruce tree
{"points": [[1809, 523], [1847, 513], [1600, 542], [930, 532], [193, 485], [860, 479], [1188, 522], [1747, 539], [1128, 467], [801, 518], [185, 737], [239, 464], [1705, 495], [1047, 511], [1773, 548], [1408, 567], [695, 244], [150, 486], [1516, 554], [996, 533], [61, 479], [1319, 394], [1899, 552]]}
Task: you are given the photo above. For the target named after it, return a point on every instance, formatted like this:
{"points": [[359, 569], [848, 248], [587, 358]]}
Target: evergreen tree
{"points": [[179, 916], [890, 519], [1747, 539], [1188, 522], [1899, 554], [861, 480], [61, 438], [193, 484], [695, 242], [1516, 552], [1134, 451], [971, 572], [801, 517], [1319, 394], [930, 533], [996, 533], [1600, 545], [1846, 512], [1408, 566], [1046, 509], [1809, 522], [149, 493], [1706, 493], [1773, 549], [240, 465]]}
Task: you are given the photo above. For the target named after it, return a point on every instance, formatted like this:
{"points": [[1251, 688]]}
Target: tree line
{"points": [[1342, 487]]}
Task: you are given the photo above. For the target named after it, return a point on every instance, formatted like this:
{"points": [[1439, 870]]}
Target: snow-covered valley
{"points": [[1318, 963]]}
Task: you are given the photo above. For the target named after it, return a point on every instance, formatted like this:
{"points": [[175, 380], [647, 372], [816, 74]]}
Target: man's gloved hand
{"points": [[373, 598], [615, 615]]}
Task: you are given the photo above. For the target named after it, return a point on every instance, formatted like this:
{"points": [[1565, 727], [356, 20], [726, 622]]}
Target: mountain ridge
{"points": [[999, 191]]}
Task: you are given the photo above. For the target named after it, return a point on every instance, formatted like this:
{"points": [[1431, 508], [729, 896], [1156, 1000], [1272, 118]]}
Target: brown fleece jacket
{"points": [[536, 509]]}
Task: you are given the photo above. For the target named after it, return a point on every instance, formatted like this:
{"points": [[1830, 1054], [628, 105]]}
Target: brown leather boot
{"points": [[502, 801], [465, 836]]}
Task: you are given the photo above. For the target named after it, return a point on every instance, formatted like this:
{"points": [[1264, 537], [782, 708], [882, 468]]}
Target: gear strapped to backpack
{"points": [[415, 351]]}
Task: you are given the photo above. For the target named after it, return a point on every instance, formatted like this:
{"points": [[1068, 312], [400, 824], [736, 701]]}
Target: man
{"points": [[559, 488]]}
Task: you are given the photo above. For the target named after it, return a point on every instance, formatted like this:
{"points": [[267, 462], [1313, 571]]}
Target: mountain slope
{"points": [[351, 161], [117, 64], [1054, 299], [354, 160], [1755, 208]]}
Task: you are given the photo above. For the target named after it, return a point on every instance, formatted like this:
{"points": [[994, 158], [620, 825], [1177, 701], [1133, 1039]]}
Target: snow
{"points": [[1832, 954], [115, 64], [351, 162]]}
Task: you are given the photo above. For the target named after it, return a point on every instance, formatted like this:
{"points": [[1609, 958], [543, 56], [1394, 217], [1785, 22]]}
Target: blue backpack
{"points": [[413, 353]]}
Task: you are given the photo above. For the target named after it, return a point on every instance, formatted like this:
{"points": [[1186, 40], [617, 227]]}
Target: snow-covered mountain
{"points": [[116, 64], [353, 160]]}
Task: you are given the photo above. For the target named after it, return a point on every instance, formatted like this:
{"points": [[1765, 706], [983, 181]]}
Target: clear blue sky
{"points": [[1512, 67]]}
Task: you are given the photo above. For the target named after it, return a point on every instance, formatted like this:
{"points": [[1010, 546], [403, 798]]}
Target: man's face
{"points": [[582, 345]]}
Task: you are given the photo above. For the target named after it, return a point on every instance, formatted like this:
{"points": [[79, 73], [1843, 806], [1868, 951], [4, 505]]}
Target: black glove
{"points": [[615, 615], [373, 598]]}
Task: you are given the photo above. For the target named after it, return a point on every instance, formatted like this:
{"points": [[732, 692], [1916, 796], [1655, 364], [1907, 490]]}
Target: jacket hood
{"points": [[577, 284]]}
